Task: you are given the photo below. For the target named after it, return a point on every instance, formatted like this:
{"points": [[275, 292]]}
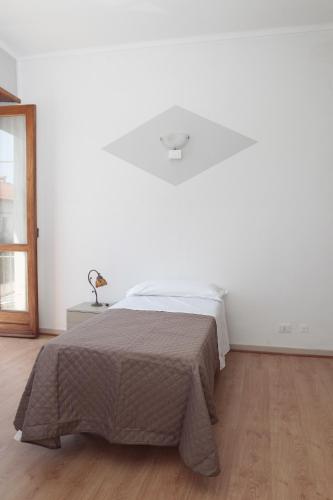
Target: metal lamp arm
{"points": [[94, 288]]}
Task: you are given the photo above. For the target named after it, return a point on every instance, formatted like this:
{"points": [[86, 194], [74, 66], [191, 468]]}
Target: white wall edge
{"points": [[218, 37], [6, 48], [18, 78]]}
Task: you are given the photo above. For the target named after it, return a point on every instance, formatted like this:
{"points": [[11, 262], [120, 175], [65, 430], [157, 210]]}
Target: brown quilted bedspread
{"points": [[136, 377]]}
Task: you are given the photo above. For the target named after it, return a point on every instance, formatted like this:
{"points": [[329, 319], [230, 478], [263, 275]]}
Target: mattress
{"points": [[190, 305], [133, 377]]}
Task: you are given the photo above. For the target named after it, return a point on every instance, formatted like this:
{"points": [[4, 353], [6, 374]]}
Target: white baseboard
{"points": [[282, 350]]}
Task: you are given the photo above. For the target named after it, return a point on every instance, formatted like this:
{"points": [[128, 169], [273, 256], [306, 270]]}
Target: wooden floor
{"points": [[275, 436]]}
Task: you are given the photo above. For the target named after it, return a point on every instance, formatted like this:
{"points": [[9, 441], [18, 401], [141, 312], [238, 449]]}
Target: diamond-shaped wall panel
{"points": [[209, 144]]}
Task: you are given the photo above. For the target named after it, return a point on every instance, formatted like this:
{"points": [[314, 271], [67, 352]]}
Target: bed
{"points": [[141, 373]]}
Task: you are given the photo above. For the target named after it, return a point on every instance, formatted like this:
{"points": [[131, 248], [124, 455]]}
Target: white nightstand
{"points": [[82, 312]]}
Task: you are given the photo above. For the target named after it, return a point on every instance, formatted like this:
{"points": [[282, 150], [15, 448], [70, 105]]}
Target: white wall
{"points": [[259, 224], [8, 72]]}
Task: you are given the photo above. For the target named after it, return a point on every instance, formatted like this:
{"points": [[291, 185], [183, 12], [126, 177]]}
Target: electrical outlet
{"points": [[303, 328], [285, 328]]}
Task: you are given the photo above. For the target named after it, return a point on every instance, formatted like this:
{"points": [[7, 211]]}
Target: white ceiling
{"points": [[29, 27]]}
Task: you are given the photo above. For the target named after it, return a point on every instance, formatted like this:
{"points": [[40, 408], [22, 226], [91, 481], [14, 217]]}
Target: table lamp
{"points": [[99, 281]]}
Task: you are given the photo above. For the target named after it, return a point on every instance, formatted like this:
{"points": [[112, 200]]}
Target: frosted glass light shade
{"points": [[175, 140]]}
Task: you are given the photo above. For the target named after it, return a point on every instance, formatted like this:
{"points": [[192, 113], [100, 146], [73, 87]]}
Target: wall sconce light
{"points": [[175, 142]]}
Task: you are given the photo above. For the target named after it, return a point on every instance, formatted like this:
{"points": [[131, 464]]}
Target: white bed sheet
{"points": [[189, 305]]}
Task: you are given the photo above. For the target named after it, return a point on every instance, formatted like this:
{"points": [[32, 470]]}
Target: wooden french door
{"points": [[18, 226]]}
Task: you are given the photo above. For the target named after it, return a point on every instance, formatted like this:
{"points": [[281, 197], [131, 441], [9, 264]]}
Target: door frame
{"points": [[25, 323]]}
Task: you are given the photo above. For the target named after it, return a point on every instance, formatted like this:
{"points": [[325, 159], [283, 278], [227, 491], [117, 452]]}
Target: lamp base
{"points": [[97, 304]]}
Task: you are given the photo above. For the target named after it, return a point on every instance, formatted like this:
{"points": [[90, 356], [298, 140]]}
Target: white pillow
{"points": [[178, 288]]}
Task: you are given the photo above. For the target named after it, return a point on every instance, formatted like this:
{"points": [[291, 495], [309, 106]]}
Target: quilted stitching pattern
{"points": [[155, 400], [132, 377]]}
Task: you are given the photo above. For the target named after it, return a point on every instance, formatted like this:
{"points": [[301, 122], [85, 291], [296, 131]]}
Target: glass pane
{"points": [[13, 226], [13, 281]]}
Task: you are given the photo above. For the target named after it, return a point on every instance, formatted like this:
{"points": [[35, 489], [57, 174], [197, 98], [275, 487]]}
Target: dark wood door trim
{"points": [[22, 323], [6, 96]]}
